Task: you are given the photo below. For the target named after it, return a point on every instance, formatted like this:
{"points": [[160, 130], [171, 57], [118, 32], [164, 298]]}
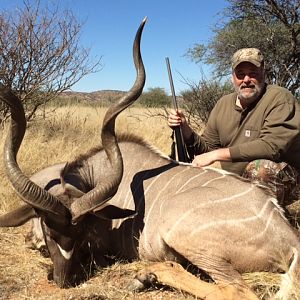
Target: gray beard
{"points": [[250, 98]]}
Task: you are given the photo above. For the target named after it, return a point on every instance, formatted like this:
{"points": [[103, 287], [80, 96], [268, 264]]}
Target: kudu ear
{"points": [[72, 191], [110, 212], [18, 217]]}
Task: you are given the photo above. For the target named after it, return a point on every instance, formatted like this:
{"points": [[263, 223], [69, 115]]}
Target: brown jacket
{"points": [[269, 129]]}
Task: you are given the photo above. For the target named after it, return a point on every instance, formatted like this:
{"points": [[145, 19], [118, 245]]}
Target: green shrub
{"points": [[154, 97]]}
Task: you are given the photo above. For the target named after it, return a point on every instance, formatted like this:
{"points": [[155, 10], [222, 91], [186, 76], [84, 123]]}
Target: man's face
{"points": [[248, 81]]}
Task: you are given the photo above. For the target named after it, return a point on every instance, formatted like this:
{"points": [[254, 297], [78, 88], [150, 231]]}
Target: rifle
{"points": [[180, 145]]}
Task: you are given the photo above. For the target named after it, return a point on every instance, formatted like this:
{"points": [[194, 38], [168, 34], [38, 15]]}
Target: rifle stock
{"points": [[180, 145]]}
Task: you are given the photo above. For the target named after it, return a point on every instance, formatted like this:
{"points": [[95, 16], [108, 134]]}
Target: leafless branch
{"points": [[40, 53]]}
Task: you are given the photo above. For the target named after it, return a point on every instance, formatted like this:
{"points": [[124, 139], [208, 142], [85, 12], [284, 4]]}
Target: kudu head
{"points": [[69, 228]]}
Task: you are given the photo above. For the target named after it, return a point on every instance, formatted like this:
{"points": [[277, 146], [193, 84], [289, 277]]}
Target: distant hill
{"points": [[102, 97]]}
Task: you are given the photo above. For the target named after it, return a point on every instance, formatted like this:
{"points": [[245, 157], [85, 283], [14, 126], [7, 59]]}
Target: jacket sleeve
{"points": [[208, 140]]}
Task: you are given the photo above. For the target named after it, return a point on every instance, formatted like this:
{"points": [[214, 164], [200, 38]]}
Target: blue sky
{"points": [[172, 27]]}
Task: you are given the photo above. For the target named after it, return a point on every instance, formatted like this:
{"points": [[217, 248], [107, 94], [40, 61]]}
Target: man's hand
{"points": [[208, 158], [177, 118]]}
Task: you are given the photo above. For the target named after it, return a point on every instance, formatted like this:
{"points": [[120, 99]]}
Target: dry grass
{"points": [[70, 132]]}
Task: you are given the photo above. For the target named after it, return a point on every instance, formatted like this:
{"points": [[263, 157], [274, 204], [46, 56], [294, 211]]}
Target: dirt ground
{"points": [[23, 275]]}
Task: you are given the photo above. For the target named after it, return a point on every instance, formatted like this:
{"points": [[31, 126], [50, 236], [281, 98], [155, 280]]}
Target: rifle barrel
{"points": [[171, 84], [180, 146]]}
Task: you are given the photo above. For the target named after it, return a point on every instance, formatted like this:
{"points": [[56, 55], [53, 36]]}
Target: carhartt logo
{"points": [[247, 133]]}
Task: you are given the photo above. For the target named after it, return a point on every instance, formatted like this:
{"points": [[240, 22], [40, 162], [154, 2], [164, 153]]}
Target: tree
{"points": [[155, 97], [273, 26], [40, 54], [199, 100]]}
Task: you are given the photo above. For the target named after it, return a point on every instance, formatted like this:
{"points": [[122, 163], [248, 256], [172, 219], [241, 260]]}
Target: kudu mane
{"points": [[72, 166], [79, 160]]}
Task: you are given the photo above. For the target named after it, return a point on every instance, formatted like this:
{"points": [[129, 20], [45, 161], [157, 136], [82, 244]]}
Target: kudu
{"points": [[127, 200]]}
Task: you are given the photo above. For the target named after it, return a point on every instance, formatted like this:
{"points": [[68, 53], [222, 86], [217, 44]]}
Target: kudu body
{"points": [[158, 210]]}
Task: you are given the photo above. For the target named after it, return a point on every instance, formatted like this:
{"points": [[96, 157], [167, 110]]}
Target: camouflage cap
{"points": [[251, 55]]}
